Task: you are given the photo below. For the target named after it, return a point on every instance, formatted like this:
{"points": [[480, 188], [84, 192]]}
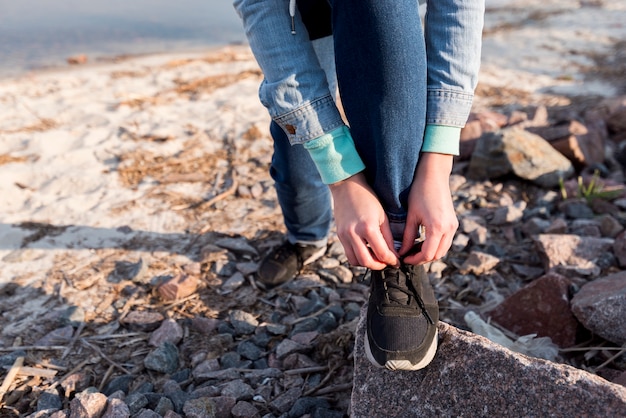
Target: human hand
{"points": [[430, 205], [362, 225]]}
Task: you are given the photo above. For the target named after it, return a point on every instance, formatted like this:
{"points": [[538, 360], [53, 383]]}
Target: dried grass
{"points": [[186, 166]]}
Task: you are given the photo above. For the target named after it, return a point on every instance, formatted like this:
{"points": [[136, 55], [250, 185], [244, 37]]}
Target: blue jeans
{"points": [[393, 78], [304, 199]]}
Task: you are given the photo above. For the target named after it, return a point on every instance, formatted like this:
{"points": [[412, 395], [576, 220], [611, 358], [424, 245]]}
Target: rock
{"points": [[169, 331], [164, 359], [163, 405], [49, 400], [472, 376], [609, 226], [88, 405], [116, 408], [119, 383], [199, 408], [237, 245], [223, 406], [128, 270], [249, 350], [479, 262], [136, 401], [572, 253], [576, 209], [147, 413], [519, 152], [243, 322], [59, 336], [238, 389], [542, 308], [286, 400], [178, 287], [619, 249], [573, 140], [287, 347], [245, 409], [475, 228], [144, 321], [205, 326], [234, 282], [76, 382], [601, 307], [509, 214]]}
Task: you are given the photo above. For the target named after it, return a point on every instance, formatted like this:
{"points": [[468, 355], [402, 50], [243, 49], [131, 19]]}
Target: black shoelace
{"points": [[404, 295]]}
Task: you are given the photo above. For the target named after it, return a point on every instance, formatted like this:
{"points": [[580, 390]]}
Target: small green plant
{"points": [[593, 190]]}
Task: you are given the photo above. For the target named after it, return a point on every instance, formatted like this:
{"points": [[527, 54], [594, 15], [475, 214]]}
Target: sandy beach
{"points": [[137, 158]]}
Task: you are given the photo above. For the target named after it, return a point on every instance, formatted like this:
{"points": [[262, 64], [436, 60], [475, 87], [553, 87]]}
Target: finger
{"points": [[358, 253], [429, 250], [411, 233], [381, 249]]}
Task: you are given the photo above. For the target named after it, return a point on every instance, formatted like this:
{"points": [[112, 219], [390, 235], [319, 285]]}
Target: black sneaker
{"points": [[402, 319], [285, 262]]}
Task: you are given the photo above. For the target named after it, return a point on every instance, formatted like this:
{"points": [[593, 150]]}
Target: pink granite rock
{"points": [[542, 308], [473, 377], [601, 307]]}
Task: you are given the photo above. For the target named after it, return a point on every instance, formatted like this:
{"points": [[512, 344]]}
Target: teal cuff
{"points": [[334, 155], [442, 139]]}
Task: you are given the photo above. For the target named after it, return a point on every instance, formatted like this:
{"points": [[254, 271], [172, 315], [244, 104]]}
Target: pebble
{"points": [[199, 408], [243, 322], [163, 359], [169, 331]]}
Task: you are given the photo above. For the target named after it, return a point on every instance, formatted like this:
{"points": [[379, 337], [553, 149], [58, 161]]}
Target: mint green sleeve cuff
{"points": [[335, 155], [442, 139]]}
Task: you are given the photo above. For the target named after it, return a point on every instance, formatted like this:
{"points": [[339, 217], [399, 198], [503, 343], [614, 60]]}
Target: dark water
{"points": [[43, 33]]}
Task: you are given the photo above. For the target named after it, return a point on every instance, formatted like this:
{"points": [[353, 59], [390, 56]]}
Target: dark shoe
{"points": [[402, 319], [286, 261]]}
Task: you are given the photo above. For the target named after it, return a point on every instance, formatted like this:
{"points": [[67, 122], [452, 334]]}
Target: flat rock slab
{"points": [[474, 377]]}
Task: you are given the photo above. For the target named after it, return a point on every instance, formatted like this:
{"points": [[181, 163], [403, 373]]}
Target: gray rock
{"points": [[169, 331], [243, 322], [59, 336], [118, 383], [223, 406], [49, 400], [237, 245], [136, 401], [147, 413], [245, 409], [163, 359], [238, 389], [249, 350], [509, 214], [286, 400], [528, 156], [163, 405], [199, 408], [474, 377], [234, 282], [287, 346], [601, 307]]}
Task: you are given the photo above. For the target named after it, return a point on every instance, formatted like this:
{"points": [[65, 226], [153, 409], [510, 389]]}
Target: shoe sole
{"points": [[404, 364]]}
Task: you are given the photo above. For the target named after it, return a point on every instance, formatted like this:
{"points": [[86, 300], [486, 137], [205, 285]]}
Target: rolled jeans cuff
{"points": [[310, 121], [335, 155]]}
